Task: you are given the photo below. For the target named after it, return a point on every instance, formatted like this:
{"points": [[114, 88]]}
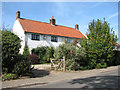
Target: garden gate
{"points": [[58, 64]]}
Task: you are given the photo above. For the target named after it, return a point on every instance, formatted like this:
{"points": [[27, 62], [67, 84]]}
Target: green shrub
{"points": [[32, 58], [85, 67], [4, 70], [10, 48], [12, 61], [74, 56], [10, 76], [21, 67], [116, 58], [99, 65], [26, 51], [44, 54]]}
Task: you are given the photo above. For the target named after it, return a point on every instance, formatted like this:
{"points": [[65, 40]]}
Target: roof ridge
{"points": [[35, 20], [46, 28], [47, 23]]}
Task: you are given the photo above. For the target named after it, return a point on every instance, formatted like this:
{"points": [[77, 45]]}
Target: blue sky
{"points": [[65, 13]]}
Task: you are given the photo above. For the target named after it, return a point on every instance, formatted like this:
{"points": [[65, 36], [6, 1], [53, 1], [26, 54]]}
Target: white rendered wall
{"points": [[34, 43], [18, 30]]}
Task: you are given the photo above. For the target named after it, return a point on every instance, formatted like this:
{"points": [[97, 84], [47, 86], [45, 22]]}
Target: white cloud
{"points": [[97, 4], [113, 15]]}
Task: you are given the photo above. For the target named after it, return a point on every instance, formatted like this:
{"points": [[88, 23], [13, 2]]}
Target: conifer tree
{"points": [[26, 51]]}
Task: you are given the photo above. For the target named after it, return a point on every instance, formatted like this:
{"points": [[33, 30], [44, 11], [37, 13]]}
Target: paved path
{"points": [[42, 66], [56, 77]]}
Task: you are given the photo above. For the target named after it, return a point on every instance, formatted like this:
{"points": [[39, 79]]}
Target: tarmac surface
{"points": [[74, 79]]}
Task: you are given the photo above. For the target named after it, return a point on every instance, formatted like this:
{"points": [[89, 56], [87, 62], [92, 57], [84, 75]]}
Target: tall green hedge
{"points": [[10, 49], [12, 61]]}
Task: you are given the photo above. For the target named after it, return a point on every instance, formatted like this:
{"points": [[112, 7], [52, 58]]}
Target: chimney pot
{"points": [[52, 17], [52, 21], [17, 14], [77, 27]]}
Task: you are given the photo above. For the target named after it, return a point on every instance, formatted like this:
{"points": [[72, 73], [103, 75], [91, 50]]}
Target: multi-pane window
{"points": [[69, 40], [35, 37], [54, 39]]}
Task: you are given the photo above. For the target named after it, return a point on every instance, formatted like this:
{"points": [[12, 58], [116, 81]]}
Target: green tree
{"points": [[0, 51], [99, 44], [26, 51], [10, 50]]}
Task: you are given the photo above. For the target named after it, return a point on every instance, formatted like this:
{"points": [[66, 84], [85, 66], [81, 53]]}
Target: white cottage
{"points": [[37, 34]]}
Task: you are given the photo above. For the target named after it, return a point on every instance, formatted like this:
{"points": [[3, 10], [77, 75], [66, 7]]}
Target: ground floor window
{"points": [[69, 40], [35, 37], [54, 39]]}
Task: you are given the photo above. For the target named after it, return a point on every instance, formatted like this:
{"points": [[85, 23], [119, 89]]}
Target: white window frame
{"points": [[54, 39], [35, 37]]}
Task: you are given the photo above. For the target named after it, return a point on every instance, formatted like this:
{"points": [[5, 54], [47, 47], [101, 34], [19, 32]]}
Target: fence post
{"points": [[64, 67]]}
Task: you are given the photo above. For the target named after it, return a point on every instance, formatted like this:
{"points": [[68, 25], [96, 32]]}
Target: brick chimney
{"points": [[52, 21], [77, 27], [17, 14]]}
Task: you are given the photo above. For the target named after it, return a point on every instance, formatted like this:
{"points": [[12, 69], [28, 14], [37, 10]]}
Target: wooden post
{"points": [[64, 69], [51, 62]]}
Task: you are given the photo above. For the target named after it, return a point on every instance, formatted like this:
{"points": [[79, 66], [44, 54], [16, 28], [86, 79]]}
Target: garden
{"points": [[92, 52]]}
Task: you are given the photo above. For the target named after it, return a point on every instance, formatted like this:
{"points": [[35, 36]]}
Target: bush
{"points": [[10, 76], [13, 63], [32, 58], [26, 51], [10, 48], [99, 65], [21, 67], [116, 58], [74, 56], [44, 54]]}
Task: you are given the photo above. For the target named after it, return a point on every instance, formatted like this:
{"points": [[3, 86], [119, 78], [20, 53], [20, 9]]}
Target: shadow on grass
{"points": [[40, 73], [98, 82]]}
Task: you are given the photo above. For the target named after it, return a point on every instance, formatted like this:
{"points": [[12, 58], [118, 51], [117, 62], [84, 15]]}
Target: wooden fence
{"points": [[58, 64]]}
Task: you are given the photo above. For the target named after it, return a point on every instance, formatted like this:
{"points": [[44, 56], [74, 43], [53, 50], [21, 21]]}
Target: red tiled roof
{"points": [[47, 28]]}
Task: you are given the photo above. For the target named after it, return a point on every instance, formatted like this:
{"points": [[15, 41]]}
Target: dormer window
{"points": [[35, 37], [54, 39]]}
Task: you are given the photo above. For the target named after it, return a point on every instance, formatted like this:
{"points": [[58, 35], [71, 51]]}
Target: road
{"points": [[107, 79]]}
